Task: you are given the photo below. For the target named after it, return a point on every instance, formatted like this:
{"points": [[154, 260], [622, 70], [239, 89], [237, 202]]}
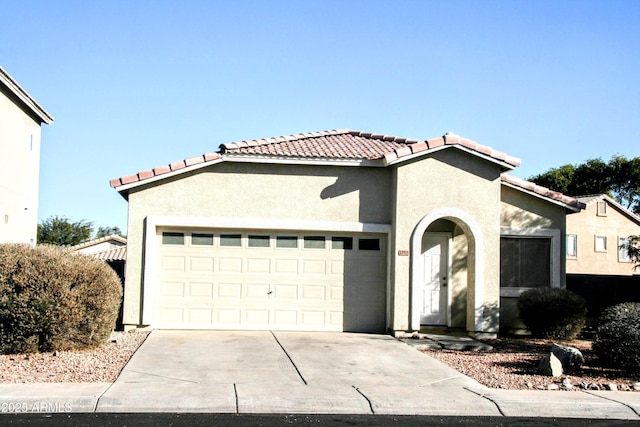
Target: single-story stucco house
{"points": [[339, 231]]}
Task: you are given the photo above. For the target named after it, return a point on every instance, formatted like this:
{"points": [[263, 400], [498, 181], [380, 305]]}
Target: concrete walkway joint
{"points": [[244, 372]]}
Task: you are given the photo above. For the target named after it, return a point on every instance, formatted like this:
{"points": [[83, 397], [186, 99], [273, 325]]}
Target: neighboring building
{"points": [[594, 237], [101, 244], [339, 231], [20, 121], [112, 250]]}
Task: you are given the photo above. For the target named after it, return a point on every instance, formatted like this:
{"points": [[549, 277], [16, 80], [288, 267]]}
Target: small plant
{"points": [[54, 299], [617, 338], [552, 313]]}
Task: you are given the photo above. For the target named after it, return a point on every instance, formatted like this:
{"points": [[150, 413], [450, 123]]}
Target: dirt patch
{"points": [[513, 365]]}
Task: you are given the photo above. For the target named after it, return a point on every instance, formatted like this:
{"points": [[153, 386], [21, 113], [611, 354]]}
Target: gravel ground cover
{"points": [[98, 365], [513, 365]]}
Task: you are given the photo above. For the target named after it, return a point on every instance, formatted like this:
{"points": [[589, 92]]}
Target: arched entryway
{"points": [[434, 263]]}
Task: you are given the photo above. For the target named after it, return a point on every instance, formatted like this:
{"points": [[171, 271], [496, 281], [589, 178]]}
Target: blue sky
{"points": [[137, 84]]}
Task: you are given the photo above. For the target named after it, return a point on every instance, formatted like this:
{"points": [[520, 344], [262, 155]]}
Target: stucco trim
{"points": [[566, 206], [429, 152], [152, 222], [476, 241], [123, 188], [556, 254]]}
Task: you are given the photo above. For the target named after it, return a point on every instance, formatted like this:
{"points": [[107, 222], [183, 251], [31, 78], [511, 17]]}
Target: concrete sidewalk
{"points": [[301, 372]]}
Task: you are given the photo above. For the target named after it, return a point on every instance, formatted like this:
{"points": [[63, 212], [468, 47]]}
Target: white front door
{"points": [[434, 280]]}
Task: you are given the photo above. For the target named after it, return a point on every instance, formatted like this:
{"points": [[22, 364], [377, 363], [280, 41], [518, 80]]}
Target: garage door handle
{"points": [[269, 293]]}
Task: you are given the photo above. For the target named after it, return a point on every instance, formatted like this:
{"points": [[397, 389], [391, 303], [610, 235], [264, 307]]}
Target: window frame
{"points": [[195, 236], [595, 243], [169, 234], [311, 238], [623, 256], [258, 241], [229, 236], [555, 261], [601, 208], [573, 255], [346, 241], [286, 238]]}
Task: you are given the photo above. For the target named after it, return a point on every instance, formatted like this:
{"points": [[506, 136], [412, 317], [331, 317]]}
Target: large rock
{"points": [[550, 366], [571, 358]]}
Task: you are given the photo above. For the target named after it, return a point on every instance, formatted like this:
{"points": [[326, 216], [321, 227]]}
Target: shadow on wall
{"points": [[374, 191], [364, 292], [491, 317]]}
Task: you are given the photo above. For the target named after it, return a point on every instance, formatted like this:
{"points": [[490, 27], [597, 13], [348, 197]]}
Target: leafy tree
{"points": [[627, 187], [619, 178], [61, 231], [633, 250], [108, 231]]}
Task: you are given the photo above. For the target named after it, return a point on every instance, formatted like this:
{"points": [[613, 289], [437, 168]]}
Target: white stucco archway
{"points": [[476, 247]]}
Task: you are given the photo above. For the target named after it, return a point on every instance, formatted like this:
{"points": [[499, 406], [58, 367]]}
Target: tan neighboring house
{"points": [[102, 244], [339, 231], [111, 249], [594, 237], [20, 120]]}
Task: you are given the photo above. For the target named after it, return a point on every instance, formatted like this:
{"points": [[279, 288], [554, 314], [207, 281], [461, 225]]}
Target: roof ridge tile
{"points": [[328, 144]]}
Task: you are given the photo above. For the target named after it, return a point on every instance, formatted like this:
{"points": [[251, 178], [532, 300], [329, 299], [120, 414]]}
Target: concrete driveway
{"points": [[289, 372]]}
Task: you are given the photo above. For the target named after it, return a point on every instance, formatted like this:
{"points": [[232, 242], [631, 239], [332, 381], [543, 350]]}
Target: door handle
{"points": [[444, 281]]}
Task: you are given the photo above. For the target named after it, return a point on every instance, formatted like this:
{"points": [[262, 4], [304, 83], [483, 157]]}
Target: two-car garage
{"points": [[267, 280]]}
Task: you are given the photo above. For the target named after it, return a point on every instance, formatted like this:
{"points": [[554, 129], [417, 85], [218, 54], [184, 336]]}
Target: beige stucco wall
{"points": [[587, 225], [255, 191], [401, 195], [448, 179], [19, 173], [519, 209], [521, 212]]}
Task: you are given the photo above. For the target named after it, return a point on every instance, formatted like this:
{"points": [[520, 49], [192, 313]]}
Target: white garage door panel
{"points": [[217, 287]]}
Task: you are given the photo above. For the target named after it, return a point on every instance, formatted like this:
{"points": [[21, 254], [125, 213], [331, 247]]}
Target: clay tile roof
{"points": [[114, 254], [542, 191], [333, 144], [337, 144]]}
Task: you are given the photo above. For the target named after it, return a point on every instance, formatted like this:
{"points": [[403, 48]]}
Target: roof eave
{"points": [[24, 97], [505, 166], [124, 188], [577, 208]]}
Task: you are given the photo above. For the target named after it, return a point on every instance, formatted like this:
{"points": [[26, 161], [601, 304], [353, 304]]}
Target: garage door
{"points": [[219, 279]]}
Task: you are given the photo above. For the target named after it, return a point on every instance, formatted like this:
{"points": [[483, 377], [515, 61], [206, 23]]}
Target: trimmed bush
{"points": [[54, 299], [617, 338], [552, 313]]}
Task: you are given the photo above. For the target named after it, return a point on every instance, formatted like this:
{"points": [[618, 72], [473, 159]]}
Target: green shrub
{"points": [[552, 313], [54, 299], [617, 338]]}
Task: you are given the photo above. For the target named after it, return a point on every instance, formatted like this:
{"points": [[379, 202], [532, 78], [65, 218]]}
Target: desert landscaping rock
{"points": [[550, 366], [513, 364], [570, 357]]}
